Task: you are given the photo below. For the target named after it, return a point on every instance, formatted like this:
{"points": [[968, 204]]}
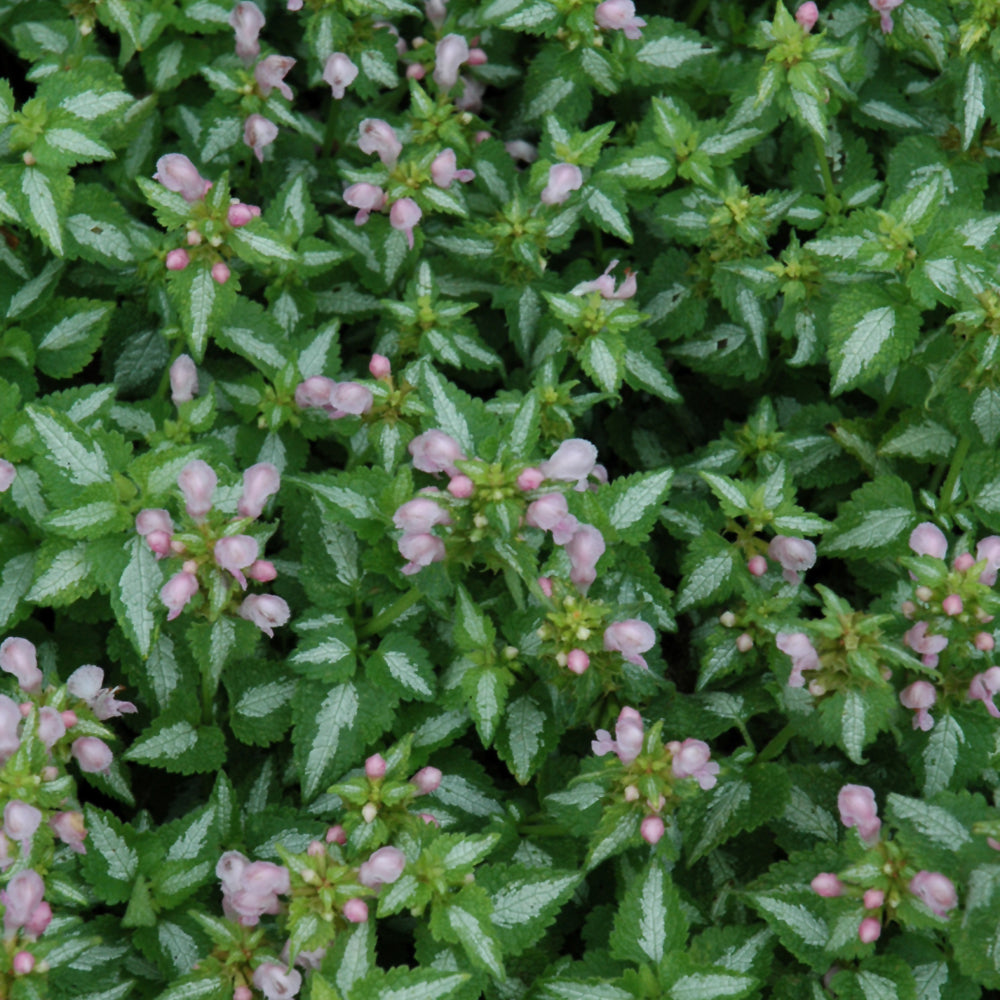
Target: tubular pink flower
{"points": [[928, 646], [434, 451], [550, 513], [375, 767], [220, 273], [339, 72], [275, 982], [629, 735], [449, 54], [383, 867], [691, 760], [20, 823], [177, 260], [177, 591], [258, 132], [178, 174], [68, 827], [21, 898], [92, 754], [183, 382], [263, 571], [197, 481], [8, 473], [444, 170], [350, 399], [952, 605], [884, 7], [631, 638], [419, 515], [240, 215], [919, 696], [927, 539], [572, 462], [937, 891], [377, 136], [564, 178], [984, 688], [803, 654], [404, 216], [794, 555], [356, 911], [10, 719], [234, 554], [427, 780], [247, 20], [530, 479], [366, 198], [827, 885], [266, 611], [260, 482], [873, 899], [18, 657], [856, 804], [420, 550], [315, 391], [807, 15], [619, 15], [584, 549], [461, 487], [270, 74]]}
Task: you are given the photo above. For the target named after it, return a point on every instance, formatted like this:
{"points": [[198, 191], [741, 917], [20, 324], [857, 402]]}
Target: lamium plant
{"points": [[499, 500]]}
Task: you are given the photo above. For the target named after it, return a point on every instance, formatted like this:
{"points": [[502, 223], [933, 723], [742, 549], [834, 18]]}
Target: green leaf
{"points": [[201, 302], [465, 920], [473, 629], [971, 101], [138, 587], [43, 198], [69, 447], [112, 861], [401, 665], [179, 747], [526, 737], [709, 571], [62, 574], [409, 984], [633, 503], [324, 737], [650, 923], [874, 521]]}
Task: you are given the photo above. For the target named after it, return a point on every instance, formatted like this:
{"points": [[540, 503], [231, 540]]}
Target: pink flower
{"points": [[873, 899], [427, 780], [340, 73], [444, 170], [10, 719], [619, 15], [450, 53], [584, 549], [605, 284], [627, 744], [530, 479], [262, 570], [51, 726], [984, 687], [250, 889], [86, 683], [234, 554], [21, 899], [93, 755], [630, 638], [884, 7], [270, 73], [869, 930], [404, 216], [572, 462], [856, 804], [420, 550], [375, 767], [24, 963], [691, 760], [8, 473], [260, 481], [383, 867], [197, 481], [952, 605], [220, 272], [551, 513], [69, 828], [418, 516], [239, 215], [177, 259], [314, 392], [366, 198], [803, 654], [518, 149], [20, 822], [651, 829], [350, 399], [436, 11], [275, 982], [461, 487], [258, 132], [177, 591], [807, 15], [927, 645], [266, 611], [795, 555], [247, 20], [380, 366], [178, 174], [564, 178], [183, 381], [377, 136], [356, 911], [936, 890], [927, 539], [434, 451], [989, 549], [827, 885], [577, 662], [18, 657], [920, 696]]}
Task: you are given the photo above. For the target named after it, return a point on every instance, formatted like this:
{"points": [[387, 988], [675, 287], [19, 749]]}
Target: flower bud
{"points": [[263, 571], [577, 661], [183, 379], [869, 930], [983, 641], [177, 259], [336, 835], [260, 482], [380, 366], [744, 642], [177, 591], [404, 216], [964, 562], [427, 780], [8, 473], [952, 605], [873, 899], [18, 657], [461, 487], [651, 829], [239, 215], [564, 178], [197, 481], [24, 962], [757, 565], [827, 885], [375, 767], [178, 174], [530, 479], [92, 754], [356, 911], [807, 15]]}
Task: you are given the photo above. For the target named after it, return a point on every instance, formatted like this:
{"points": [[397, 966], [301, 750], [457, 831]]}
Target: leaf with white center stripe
{"points": [[650, 922], [401, 665], [43, 200], [633, 502], [526, 736], [324, 736], [179, 747]]}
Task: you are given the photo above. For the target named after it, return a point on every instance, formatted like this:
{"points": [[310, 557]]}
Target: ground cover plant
{"points": [[499, 500]]}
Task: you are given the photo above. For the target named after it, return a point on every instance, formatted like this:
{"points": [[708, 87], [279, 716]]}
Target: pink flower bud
{"points": [[444, 170], [744, 642], [380, 366], [383, 867], [275, 982], [336, 835], [8, 473], [420, 550], [427, 780], [518, 149], [234, 554], [619, 15], [856, 804], [350, 399], [461, 487], [477, 57], [873, 899], [691, 760], [153, 519], [159, 543], [197, 481], [935, 890], [258, 132], [69, 718], [919, 696], [239, 215], [177, 591], [989, 549], [69, 828], [18, 657], [93, 755], [314, 392], [10, 719], [51, 728], [419, 515], [795, 555], [177, 260], [263, 571], [964, 562], [183, 380], [530, 479], [572, 462], [375, 767], [869, 930], [564, 178], [651, 829], [244, 992], [807, 15], [270, 73], [266, 611], [630, 638], [260, 481], [377, 136], [24, 962], [20, 822], [404, 216], [952, 605], [545, 585], [927, 539], [629, 735], [827, 885], [316, 849], [584, 549], [220, 272], [449, 54], [757, 565], [178, 174], [247, 20], [577, 661], [983, 641], [356, 911], [434, 451], [984, 687], [339, 72]]}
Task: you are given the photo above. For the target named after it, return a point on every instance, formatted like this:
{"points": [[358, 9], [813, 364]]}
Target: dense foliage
{"points": [[499, 500]]}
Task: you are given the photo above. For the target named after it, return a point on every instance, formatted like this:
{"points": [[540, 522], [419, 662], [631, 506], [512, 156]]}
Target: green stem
{"points": [[824, 166], [777, 744], [745, 733], [330, 133], [390, 614], [958, 460]]}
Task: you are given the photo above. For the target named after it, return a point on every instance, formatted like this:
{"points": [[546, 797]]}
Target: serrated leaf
{"points": [[138, 587], [650, 922], [179, 747], [69, 447], [525, 902], [634, 503], [526, 737], [320, 739]]}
